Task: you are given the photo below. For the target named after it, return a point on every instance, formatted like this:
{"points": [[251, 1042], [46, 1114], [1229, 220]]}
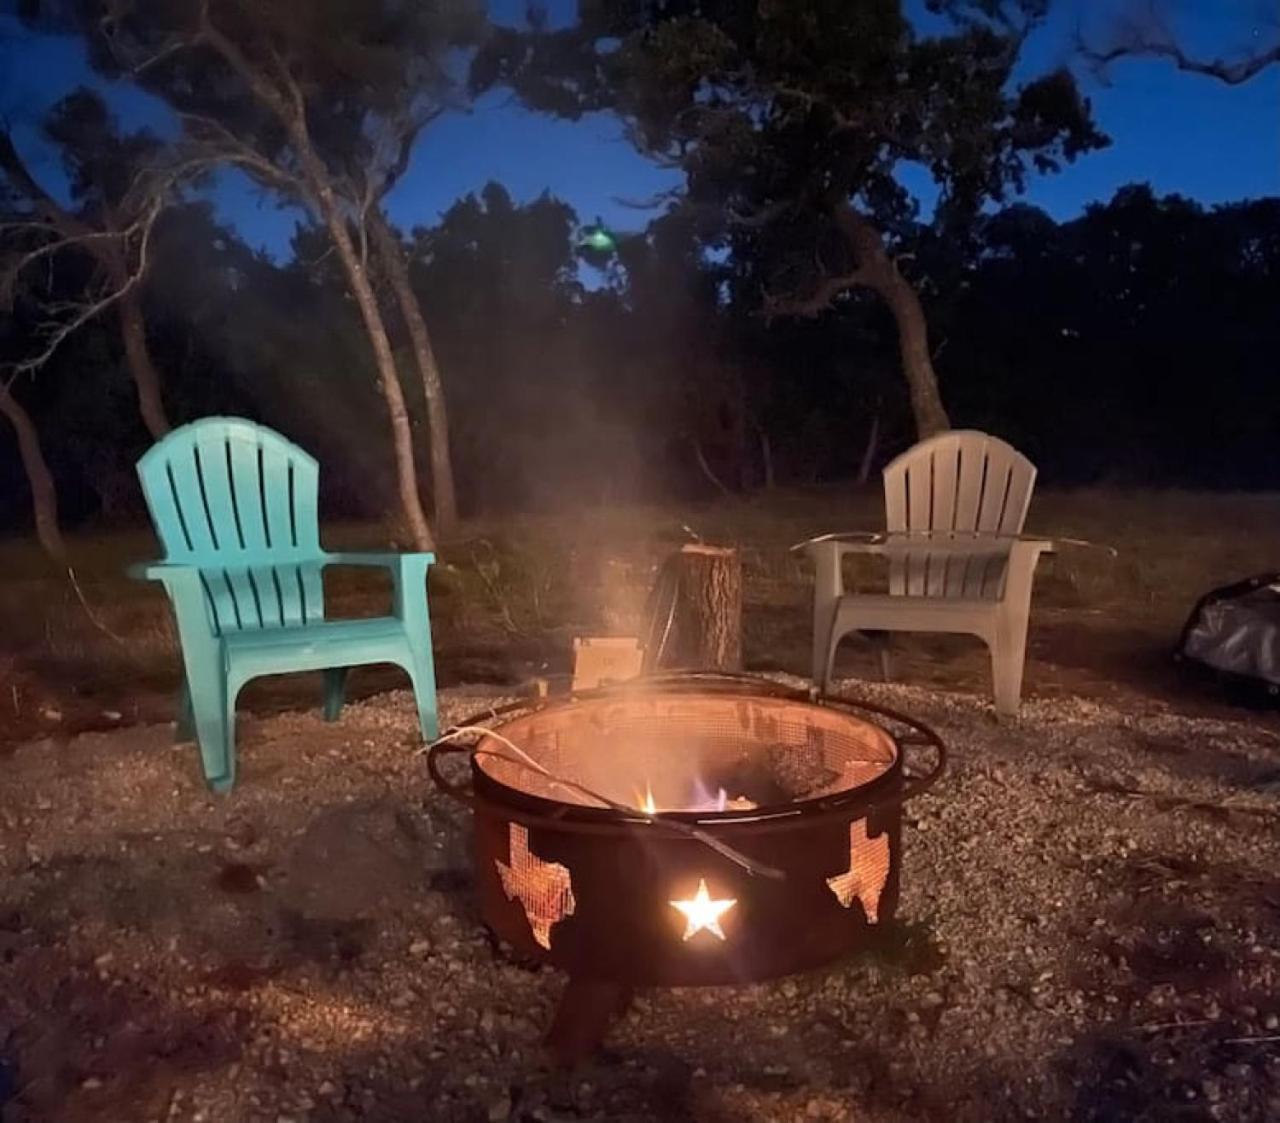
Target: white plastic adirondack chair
{"points": [[954, 508]]}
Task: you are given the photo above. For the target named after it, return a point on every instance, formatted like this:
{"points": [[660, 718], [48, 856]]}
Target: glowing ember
{"points": [[700, 800], [701, 912], [867, 873]]}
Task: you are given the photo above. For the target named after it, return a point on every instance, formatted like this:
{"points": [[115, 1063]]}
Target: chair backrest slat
{"points": [[960, 484], [239, 501]]}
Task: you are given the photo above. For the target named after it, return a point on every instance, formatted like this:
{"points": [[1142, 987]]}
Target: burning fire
{"points": [[700, 800]]}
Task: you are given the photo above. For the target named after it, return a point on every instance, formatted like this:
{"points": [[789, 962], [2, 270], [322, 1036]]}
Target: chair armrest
{"points": [[173, 575], [1023, 557], [185, 588], [828, 553], [382, 559], [408, 576], [900, 544]]}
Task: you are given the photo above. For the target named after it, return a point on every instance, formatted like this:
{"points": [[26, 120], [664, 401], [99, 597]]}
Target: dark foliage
{"points": [[1133, 345]]}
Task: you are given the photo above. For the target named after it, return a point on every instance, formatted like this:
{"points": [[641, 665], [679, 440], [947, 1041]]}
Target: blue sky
{"points": [[1179, 132]]}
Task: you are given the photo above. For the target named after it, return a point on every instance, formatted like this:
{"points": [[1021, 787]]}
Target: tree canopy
{"points": [[791, 121]]}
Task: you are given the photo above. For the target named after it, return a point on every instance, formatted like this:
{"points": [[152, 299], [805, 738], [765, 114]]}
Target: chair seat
{"points": [[885, 612], [312, 647]]}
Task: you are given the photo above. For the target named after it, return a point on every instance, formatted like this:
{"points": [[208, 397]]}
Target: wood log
{"points": [[707, 623]]}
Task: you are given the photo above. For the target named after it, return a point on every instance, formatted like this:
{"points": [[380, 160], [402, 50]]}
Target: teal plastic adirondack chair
{"points": [[234, 505]]}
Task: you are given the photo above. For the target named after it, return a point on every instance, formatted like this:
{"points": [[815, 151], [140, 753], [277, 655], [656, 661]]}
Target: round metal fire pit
{"points": [[690, 830]]}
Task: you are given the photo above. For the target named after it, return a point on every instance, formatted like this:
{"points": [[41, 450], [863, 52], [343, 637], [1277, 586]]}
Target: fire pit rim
{"points": [[893, 786]]}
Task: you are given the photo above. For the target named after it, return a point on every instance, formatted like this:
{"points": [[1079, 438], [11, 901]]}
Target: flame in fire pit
{"points": [[700, 799]]}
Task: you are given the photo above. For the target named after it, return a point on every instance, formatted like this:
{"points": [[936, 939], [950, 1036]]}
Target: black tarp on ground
{"points": [[1235, 632]]}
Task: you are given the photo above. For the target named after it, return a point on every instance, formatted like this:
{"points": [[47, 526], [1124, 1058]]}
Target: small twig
{"points": [[1252, 1040], [654, 819], [495, 592], [88, 611], [706, 467], [1160, 1027]]}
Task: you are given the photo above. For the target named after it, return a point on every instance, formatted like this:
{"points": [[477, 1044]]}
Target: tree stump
{"points": [[707, 620]]}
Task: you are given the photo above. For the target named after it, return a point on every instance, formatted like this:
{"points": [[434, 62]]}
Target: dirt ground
{"points": [[1089, 927]]}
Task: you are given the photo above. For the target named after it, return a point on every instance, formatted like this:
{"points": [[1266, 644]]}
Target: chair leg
{"points": [[213, 708], [827, 589], [824, 653], [422, 675], [184, 726], [335, 687], [424, 694], [886, 657], [1008, 659]]}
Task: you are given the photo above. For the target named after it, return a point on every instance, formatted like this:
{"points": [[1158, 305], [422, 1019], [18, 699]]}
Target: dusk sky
{"points": [[1179, 132]]}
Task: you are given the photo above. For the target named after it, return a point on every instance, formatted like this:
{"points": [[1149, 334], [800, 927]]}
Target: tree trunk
{"points": [[44, 496], [766, 456], [708, 611], [287, 104], [388, 376], [112, 258], [705, 465], [869, 453], [145, 376], [391, 255], [877, 270], [913, 344]]}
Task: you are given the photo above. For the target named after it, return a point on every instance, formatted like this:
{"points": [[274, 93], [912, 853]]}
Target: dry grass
{"points": [[509, 593]]}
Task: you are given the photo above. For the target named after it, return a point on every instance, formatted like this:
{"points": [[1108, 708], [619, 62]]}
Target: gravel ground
{"points": [[1088, 930]]}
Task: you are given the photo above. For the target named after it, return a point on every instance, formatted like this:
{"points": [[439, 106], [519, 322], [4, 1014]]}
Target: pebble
{"points": [[969, 904]]}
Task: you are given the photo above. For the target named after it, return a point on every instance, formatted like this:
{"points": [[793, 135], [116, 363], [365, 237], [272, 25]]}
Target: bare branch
{"points": [[24, 260], [812, 306], [671, 195], [281, 105], [1231, 73], [224, 146], [1150, 37], [58, 331], [759, 217], [875, 269]]}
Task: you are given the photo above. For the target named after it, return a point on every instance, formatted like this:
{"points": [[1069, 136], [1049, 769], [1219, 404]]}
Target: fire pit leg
{"points": [[587, 1009]]}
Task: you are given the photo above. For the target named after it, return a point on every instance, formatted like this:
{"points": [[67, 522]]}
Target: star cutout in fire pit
{"points": [[544, 888], [867, 873], [702, 912]]}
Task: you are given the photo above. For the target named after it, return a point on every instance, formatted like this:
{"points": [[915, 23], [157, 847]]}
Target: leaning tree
{"points": [[320, 103], [67, 262], [793, 121], [119, 183]]}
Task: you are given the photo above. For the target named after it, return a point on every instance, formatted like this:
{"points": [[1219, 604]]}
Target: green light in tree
{"points": [[599, 239]]}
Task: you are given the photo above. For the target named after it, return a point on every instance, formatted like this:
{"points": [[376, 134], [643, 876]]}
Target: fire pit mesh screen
{"points": [[692, 752]]}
